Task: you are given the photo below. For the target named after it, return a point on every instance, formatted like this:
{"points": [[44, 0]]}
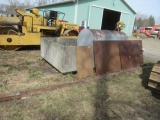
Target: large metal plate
{"points": [[106, 55], [125, 54], [84, 57], [136, 54], [131, 54]]}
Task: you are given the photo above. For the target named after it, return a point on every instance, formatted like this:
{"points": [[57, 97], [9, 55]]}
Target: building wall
{"points": [[67, 8], [92, 12]]}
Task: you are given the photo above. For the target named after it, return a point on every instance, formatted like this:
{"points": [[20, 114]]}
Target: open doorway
{"points": [[110, 18]]}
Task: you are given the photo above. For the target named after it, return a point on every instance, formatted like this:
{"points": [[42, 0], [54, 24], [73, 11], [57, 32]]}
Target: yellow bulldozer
{"points": [[27, 28]]}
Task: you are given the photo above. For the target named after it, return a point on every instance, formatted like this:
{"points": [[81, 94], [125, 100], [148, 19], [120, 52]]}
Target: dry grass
{"points": [[118, 96]]}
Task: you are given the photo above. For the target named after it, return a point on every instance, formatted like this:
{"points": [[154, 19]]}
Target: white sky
{"points": [[148, 7]]}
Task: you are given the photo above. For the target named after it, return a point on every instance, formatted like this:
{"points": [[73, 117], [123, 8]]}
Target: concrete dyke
{"points": [[60, 53]]}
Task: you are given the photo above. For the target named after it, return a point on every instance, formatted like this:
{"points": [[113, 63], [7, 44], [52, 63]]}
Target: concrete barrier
{"points": [[60, 52]]}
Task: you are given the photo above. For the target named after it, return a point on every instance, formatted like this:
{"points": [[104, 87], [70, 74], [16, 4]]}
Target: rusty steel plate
{"points": [[125, 54], [106, 55], [131, 54], [136, 54], [87, 36], [84, 55]]}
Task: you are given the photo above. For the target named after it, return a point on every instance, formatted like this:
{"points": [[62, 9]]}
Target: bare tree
{"points": [[144, 20], [54, 1], [2, 8], [43, 2], [10, 8]]}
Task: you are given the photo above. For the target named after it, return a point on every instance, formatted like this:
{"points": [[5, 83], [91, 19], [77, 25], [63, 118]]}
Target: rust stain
{"points": [[106, 55], [84, 55], [113, 56]]}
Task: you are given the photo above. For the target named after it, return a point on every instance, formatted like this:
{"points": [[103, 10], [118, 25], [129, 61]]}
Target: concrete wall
{"points": [[59, 52]]}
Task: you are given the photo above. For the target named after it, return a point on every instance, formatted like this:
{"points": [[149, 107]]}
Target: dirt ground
{"points": [[151, 47], [118, 96]]}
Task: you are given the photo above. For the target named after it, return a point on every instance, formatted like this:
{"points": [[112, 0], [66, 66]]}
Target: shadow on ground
{"points": [[101, 98], [35, 47], [146, 70]]}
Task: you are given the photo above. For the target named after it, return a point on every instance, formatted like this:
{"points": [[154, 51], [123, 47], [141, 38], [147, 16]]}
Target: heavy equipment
{"points": [[27, 28], [150, 31]]}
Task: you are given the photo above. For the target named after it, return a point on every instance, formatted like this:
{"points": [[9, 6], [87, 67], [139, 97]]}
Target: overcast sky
{"points": [[148, 7]]}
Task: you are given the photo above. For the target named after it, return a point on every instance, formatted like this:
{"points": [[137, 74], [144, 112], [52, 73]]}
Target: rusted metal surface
{"points": [[136, 54], [87, 36], [106, 55], [47, 89], [84, 57], [125, 54], [131, 54], [112, 56]]}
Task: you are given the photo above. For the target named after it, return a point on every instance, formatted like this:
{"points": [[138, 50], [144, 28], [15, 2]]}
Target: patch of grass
{"points": [[117, 96], [25, 63], [35, 75], [3, 85], [11, 69], [69, 76]]}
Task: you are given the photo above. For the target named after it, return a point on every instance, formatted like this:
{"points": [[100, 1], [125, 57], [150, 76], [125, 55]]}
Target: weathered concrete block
{"points": [[60, 52]]}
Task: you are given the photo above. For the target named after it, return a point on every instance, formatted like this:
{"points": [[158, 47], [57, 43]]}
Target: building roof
{"points": [[68, 1], [58, 3], [129, 6]]}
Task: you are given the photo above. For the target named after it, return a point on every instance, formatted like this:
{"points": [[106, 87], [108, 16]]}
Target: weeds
{"points": [[69, 76], [35, 75], [121, 96]]}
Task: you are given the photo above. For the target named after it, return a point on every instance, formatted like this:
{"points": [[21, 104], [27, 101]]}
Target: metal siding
{"points": [[125, 18], [95, 19], [84, 6], [68, 9], [131, 24], [117, 5], [83, 12]]}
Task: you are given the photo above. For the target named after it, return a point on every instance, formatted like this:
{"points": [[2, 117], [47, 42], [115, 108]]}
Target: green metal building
{"points": [[95, 14]]}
